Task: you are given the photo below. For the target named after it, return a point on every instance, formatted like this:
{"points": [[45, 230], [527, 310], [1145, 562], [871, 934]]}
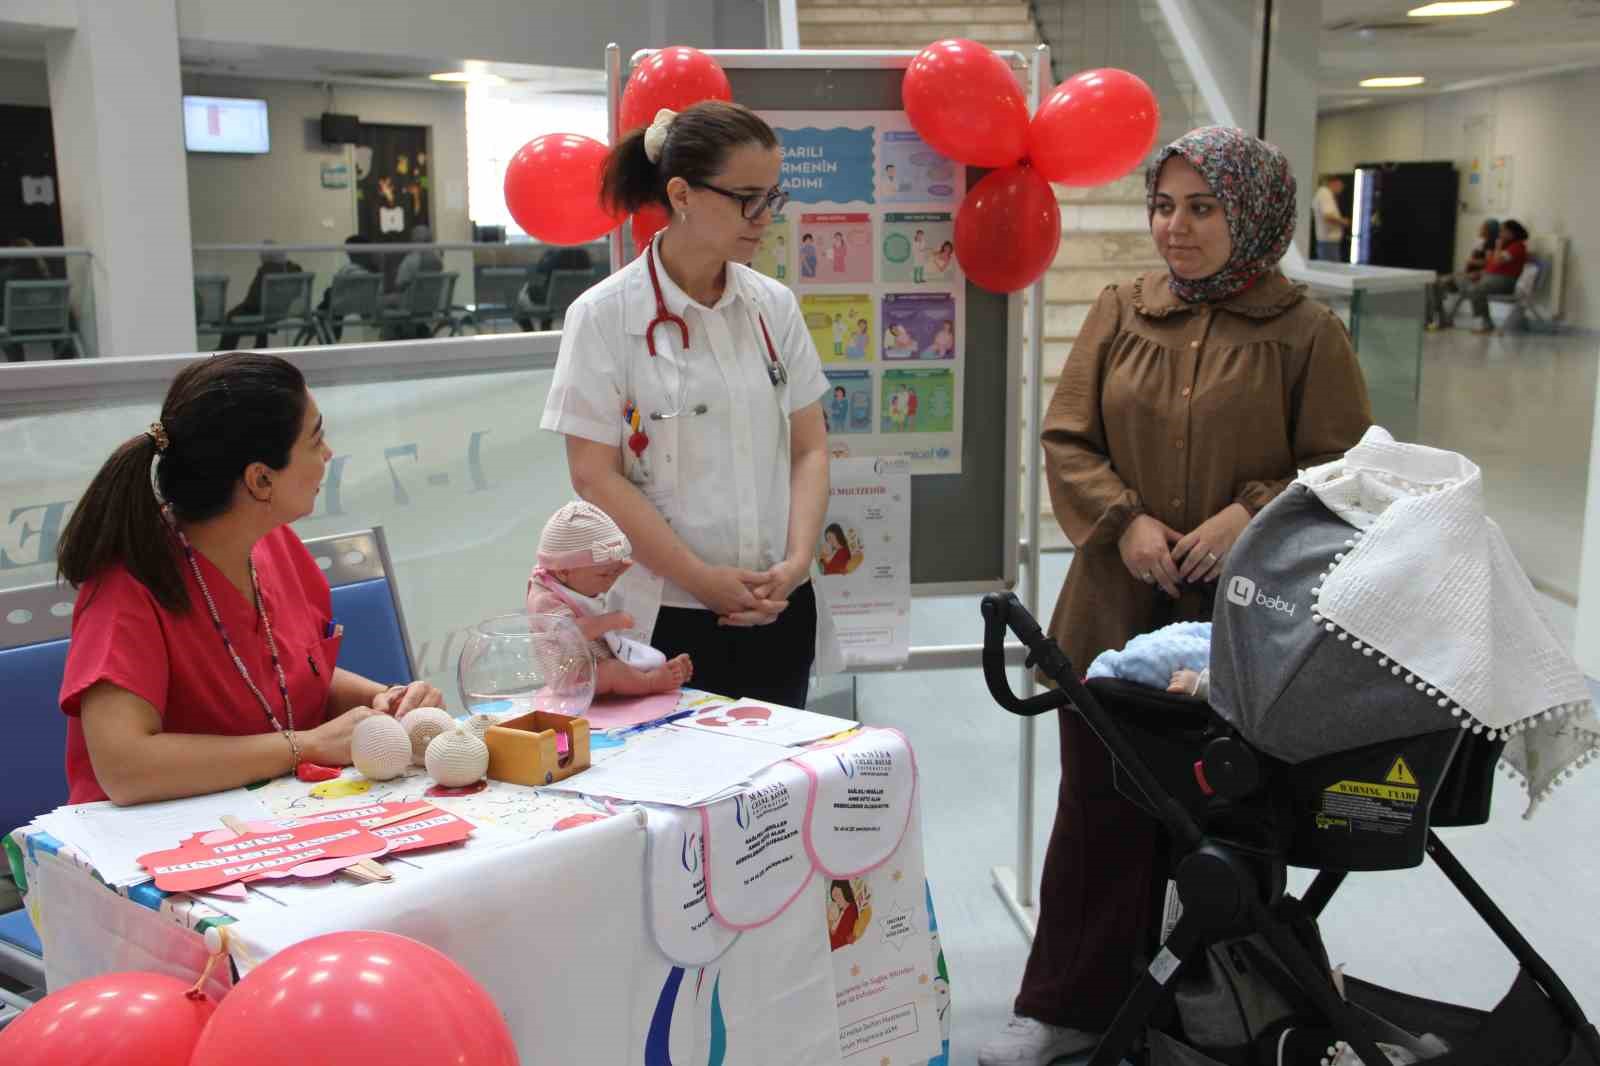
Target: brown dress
{"points": [[1174, 410]]}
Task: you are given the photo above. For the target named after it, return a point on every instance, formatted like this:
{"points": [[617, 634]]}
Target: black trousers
{"points": [[770, 662]]}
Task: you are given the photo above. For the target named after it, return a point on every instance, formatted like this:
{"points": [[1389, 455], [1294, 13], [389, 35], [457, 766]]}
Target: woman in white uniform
{"points": [[723, 485]]}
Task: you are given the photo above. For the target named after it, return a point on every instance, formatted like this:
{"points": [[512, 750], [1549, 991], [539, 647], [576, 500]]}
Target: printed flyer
{"points": [[885, 972], [772, 254], [865, 559], [848, 406], [841, 325], [868, 242], [918, 247]]}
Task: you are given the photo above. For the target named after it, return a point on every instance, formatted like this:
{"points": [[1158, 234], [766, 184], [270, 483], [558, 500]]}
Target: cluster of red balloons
{"points": [[343, 997], [964, 101], [553, 182]]}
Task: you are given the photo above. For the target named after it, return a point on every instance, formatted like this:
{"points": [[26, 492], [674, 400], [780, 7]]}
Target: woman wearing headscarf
{"points": [[1191, 397]]}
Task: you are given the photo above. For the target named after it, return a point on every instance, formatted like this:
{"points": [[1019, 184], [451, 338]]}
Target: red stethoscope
{"points": [[775, 371]]}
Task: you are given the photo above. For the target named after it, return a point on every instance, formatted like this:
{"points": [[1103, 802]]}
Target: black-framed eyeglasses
{"points": [[751, 204]]}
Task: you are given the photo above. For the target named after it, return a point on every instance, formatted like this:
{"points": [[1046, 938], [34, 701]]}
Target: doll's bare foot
{"points": [[674, 674]]}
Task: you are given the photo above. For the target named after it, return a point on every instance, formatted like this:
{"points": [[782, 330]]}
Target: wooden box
{"points": [[523, 750]]}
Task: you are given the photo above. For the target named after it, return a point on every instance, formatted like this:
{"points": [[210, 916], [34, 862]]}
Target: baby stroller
{"points": [[1237, 818]]}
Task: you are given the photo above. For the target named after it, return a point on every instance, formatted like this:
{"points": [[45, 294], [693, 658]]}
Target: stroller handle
{"points": [[1000, 611]]}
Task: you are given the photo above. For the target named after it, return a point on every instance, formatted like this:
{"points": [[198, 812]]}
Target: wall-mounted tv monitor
{"points": [[225, 124]]}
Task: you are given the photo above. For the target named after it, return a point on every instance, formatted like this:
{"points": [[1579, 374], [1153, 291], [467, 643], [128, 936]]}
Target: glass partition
{"points": [[50, 313], [487, 288], [437, 442], [1383, 308]]}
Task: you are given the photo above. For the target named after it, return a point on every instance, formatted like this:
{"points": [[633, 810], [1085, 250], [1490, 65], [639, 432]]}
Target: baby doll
{"points": [[582, 553]]}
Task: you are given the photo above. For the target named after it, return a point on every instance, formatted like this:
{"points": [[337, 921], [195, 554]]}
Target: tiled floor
{"points": [[1521, 409]]}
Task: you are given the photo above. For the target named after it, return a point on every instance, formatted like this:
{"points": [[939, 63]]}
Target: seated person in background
{"points": [[204, 654], [418, 261], [1488, 233], [272, 262], [581, 555], [1500, 272], [537, 289], [360, 263], [28, 268]]}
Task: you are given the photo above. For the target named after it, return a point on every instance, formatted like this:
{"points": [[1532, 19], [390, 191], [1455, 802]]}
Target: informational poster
{"points": [[865, 556], [772, 254], [868, 243], [886, 974]]}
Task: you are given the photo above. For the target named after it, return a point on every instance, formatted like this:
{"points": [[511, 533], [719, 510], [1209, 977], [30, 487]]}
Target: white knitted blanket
{"points": [[1431, 584]]}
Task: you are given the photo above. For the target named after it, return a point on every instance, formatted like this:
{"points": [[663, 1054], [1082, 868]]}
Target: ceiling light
{"points": [[468, 77], [1447, 8], [1392, 82]]}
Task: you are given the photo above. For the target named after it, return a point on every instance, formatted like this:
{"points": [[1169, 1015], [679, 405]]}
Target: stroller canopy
{"points": [[1373, 600]]}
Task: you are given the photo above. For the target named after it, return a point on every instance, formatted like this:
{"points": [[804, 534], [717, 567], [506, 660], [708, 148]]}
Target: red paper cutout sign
{"points": [[195, 864], [432, 826]]}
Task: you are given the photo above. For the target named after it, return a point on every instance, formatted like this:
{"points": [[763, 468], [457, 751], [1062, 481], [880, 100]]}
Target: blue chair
{"points": [[367, 603], [34, 624]]}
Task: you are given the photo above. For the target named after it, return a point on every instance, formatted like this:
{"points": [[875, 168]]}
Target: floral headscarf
{"points": [[1252, 180]]}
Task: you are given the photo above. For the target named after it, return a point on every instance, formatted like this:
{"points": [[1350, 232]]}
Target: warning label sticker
{"points": [[1370, 806], [1400, 773]]}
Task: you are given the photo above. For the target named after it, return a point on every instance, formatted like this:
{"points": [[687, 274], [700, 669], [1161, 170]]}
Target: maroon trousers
{"points": [[1105, 874]]}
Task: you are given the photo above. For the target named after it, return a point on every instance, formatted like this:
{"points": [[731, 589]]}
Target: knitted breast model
{"points": [[380, 748], [457, 758], [422, 725]]}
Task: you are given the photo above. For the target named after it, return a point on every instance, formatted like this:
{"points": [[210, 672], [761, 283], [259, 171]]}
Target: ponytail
{"points": [[630, 181], [118, 520], [695, 149]]}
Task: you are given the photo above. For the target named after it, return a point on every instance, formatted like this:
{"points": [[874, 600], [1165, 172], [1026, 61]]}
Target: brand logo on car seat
{"points": [[1242, 591]]}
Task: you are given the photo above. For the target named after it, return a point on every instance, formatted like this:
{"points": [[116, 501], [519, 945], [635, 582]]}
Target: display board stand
{"points": [[965, 529]]}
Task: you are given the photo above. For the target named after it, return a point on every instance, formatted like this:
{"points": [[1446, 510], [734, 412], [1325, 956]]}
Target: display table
{"points": [[1385, 309], [562, 906]]}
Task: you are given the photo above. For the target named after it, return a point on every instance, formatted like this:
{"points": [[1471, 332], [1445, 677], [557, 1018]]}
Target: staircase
{"points": [[835, 24], [1105, 236]]}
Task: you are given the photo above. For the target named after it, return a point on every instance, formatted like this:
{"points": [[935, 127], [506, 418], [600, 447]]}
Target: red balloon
{"points": [[965, 102], [1008, 229], [357, 997], [674, 78], [1094, 128], [553, 189], [647, 221], [126, 1019]]}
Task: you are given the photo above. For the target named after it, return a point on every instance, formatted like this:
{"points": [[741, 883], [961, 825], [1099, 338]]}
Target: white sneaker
{"points": [[1030, 1042]]}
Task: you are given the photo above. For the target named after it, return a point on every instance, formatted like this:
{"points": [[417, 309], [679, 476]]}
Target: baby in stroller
{"points": [[1362, 691]]}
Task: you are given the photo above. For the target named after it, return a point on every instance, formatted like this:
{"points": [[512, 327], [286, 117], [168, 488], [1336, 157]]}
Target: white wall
{"points": [[1541, 124], [280, 194], [540, 32]]}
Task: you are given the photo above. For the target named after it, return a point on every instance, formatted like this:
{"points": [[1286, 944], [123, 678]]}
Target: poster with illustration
{"points": [[848, 405], [835, 248], [885, 971], [918, 247], [864, 554], [919, 325], [773, 253], [911, 172], [917, 401], [872, 216], [842, 326]]}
